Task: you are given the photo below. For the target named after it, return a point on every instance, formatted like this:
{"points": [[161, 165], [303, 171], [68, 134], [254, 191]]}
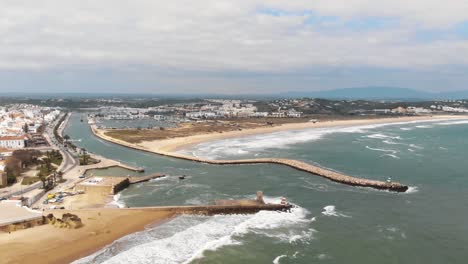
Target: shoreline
{"points": [[180, 143], [103, 226], [167, 147]]}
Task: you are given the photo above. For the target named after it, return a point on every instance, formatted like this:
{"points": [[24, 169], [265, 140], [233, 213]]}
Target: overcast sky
{"points": [[238, 46]]}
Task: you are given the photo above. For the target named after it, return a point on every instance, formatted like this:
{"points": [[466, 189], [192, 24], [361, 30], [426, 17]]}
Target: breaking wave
{"points": [[186, 238], [254, 144], [390, 155], [116, 202], [448, 123], [277, 259], [382, 136], [412, 189], [382, 150], [330, 210]]}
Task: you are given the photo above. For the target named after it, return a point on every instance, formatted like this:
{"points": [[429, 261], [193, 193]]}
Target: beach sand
{"points": [[174, 144], [49, 244]]}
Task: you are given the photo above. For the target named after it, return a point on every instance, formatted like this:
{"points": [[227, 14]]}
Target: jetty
{"points": [[296, 164], [227, 207]]}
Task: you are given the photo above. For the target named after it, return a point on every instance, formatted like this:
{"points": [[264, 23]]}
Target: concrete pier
{"points": [[296, 164]]}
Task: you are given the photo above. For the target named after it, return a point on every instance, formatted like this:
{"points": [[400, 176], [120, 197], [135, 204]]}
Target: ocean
{"points": [[331, 223]]}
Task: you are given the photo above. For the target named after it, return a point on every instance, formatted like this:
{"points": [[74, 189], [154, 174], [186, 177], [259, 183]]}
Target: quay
{"points": [[299, 165]]}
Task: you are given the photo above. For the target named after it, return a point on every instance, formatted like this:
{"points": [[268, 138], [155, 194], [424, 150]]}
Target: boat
{"points": [[182, 177]]}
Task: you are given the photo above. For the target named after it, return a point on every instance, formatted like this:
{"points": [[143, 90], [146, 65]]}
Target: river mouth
{"points": [[373, 226]]}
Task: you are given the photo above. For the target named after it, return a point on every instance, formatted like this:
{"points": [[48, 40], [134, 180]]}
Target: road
{"points": [[69, 161]]}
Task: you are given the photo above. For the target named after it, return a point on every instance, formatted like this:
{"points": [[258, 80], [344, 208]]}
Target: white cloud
{"points": [[220, 35]]}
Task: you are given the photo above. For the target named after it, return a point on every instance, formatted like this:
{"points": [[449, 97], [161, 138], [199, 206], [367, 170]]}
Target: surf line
{"points": [[296, 164]]}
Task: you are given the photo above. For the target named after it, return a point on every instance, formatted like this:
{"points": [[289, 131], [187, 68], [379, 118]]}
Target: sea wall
{"points": [[296, 164]]}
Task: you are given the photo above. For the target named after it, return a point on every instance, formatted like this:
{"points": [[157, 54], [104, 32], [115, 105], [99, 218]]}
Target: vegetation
{"points": [[30, 180], [86, 159], [55, 157], [21, 160]]}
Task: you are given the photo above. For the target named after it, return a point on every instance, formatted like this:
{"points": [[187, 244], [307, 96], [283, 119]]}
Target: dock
{"points": [[296, 164]]}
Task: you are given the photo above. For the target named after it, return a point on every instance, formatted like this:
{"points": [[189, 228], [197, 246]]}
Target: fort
{"points": [[111, 185]]}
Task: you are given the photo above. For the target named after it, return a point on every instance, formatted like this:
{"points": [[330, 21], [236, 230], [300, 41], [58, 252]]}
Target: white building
{"points": [[13, 142], [294, 113]]}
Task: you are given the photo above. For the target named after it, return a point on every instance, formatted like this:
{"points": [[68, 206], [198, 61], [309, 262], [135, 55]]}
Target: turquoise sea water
{"points": [[332, 223]]}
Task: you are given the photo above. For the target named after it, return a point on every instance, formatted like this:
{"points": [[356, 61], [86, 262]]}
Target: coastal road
{"points": [[69, 161]]}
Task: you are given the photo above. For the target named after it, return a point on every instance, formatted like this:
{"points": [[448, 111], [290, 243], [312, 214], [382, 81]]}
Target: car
{"points": [[81, 177]]}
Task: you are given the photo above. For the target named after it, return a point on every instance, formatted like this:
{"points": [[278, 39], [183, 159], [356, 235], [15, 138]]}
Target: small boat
{"points": [[182, 177]]}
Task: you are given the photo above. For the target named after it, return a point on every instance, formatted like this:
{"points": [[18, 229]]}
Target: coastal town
{"points": [[206, 109], [46, 176]]}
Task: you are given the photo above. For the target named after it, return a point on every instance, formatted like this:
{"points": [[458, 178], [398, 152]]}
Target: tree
{"points": [[26, 157], [13, 167], [26, 128], [66, 137], [60, 175], [43, 180], [48, 164], [11, 177]]}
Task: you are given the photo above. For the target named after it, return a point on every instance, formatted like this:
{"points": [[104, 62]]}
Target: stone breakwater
{"points": [[299, 165], [217, 209]]}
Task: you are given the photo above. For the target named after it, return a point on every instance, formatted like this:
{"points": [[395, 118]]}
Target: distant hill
{"points": [[376, 92]]}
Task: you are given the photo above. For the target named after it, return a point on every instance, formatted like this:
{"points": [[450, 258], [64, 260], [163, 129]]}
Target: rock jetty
{"points": [[296, 164]]}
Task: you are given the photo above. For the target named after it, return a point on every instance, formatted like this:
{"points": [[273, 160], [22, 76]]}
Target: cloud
{"points": [[219, 35]]}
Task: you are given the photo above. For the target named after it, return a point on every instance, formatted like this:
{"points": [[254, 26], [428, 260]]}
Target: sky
{"points": [[238, 46]]}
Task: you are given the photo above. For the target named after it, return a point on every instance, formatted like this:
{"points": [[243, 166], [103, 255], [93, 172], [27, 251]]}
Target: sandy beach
{"points": [[102, 226], [49, 244], [174, 144]]}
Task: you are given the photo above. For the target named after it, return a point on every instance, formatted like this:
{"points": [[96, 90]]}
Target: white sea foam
{"points": [[390, 155], [189, 236], [116, 202], [158, 179], [415, 146], [448, 123], [382, 136], [424, 126], [322, 256], [383, 150], [277, 259], [277, 140], [390, 142], [406, 128], [330, 210], [412, 189]]}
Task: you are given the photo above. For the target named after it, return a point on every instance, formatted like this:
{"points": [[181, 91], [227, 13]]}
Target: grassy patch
{"points": [[30, 180]]}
